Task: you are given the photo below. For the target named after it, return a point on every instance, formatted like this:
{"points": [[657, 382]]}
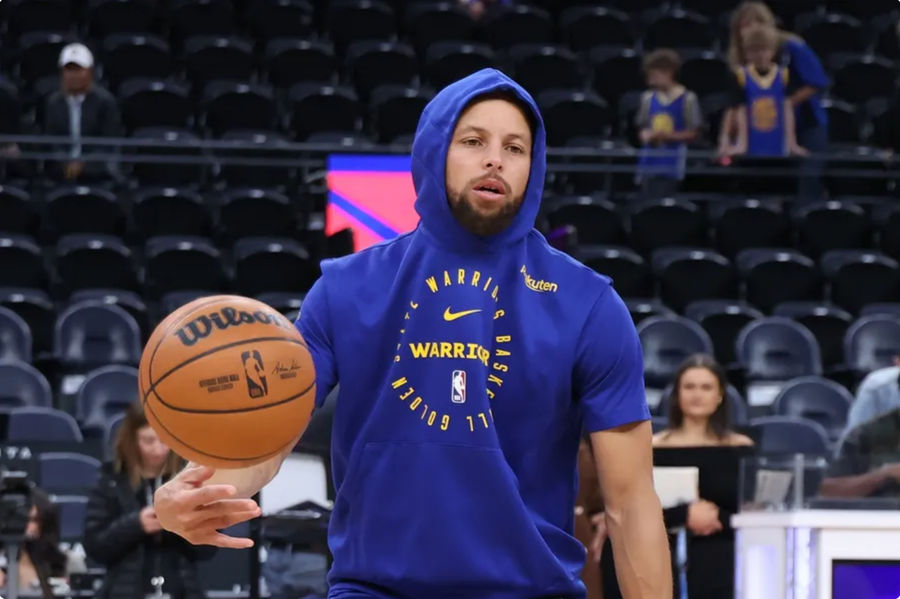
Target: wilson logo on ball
{"points": [[202, 326], [257, 386]]}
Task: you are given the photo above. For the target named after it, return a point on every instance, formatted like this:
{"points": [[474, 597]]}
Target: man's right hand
{"points": [[197, 512], [703, 518]]}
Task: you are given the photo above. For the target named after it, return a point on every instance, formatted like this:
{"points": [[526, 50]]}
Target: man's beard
{"points": [[474, 221]]}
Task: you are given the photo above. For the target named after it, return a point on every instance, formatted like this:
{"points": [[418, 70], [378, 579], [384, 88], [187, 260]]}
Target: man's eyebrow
{"points": [[483, 131]]}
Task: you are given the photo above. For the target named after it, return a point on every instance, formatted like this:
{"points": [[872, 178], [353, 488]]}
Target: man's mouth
{"points": [[489, 189]]}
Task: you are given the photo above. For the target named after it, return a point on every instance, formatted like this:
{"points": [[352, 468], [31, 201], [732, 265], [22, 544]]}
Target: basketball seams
{"points": [[236, 410], [200, 451]]}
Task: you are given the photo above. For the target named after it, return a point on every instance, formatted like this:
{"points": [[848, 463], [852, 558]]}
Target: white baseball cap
{"points": [[77, 54]]}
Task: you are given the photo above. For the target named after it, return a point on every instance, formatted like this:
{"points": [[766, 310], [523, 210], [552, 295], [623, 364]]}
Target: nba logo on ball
{"points": [[458, 386], [256, 374]]}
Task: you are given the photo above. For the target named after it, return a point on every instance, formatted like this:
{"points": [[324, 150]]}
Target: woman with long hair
{"points": [[121, 528], [808, 81], [40, 555]]}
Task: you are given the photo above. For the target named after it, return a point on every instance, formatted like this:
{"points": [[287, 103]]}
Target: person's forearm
{"points": [[249, 481], [802, 95], [861, 485], [641, 547]]}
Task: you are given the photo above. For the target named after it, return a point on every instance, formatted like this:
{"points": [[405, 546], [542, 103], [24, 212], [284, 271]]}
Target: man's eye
{"points": [[471, 142], [516, 149]]}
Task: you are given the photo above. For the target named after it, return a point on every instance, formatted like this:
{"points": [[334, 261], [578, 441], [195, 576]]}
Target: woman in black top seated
{"points": [[121, 529], [700, 425]]}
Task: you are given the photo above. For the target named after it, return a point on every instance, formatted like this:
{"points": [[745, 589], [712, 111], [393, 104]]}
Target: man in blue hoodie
{"points": [[470, 357]]}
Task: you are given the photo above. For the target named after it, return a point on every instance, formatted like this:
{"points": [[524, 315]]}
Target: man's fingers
{"points": [[224, 507], [209, 494], [225, 520], [196, 474], [218, 539]]}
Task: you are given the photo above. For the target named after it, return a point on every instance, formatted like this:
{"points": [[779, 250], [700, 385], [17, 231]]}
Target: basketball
{"points": [[227, 381]]}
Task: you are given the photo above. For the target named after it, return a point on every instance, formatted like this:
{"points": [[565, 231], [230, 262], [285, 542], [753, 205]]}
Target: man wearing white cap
{"points": [[80, 109]]}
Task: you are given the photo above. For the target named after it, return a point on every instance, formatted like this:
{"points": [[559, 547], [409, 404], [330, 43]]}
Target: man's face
{"points": [[488, 164], [76, 79]]}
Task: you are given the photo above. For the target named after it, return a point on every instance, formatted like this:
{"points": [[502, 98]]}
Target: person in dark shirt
{"points": [[868, 461]]}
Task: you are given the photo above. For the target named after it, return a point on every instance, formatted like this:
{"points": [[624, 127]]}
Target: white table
{"points": [[788, 554]]}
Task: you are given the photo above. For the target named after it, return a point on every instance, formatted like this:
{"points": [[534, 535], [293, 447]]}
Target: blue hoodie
{"points": [[468, 367]]}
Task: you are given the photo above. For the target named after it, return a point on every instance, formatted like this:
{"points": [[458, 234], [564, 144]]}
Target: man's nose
{"points": [[492, 159]]}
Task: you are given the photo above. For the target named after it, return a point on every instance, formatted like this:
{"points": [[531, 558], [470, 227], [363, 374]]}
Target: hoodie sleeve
{"points": [[609, 370], [314, 323]]}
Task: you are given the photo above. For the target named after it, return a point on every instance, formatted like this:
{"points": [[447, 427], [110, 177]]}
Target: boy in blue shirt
{"points": [[470, 356], [668, 119], [760, 92]]}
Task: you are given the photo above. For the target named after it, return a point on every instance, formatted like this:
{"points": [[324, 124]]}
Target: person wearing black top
{"points": [[700, 428], [121, 528]]}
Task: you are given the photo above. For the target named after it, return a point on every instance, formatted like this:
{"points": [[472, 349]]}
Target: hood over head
{"points": [[429, 159]]}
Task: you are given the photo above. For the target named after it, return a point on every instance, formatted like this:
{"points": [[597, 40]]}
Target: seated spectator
{"points": [[81, 109], [478, 8], [668, 119], [40, 556], [760, 90], [698, 418], [868, 461], [121, 528], [877, 394]]}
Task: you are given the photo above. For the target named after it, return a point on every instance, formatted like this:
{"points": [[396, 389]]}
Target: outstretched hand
{"points": [[196, 512]]}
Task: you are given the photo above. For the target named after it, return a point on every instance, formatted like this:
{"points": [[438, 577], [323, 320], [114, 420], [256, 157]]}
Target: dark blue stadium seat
{"points": [[21, 262], [430, 22], [843, 121], [170, 211], [540, 67], [283, 301], [23, 386], [667, 342], [232, 105], [38, 16], [10, 114], [82, 209], [105, 392], [828, 323], [687, 275], [722, 320], [831, 225], [737, 405], [817, 399], [584, 27], [773, 276], [17, 211], [859, 78], [642, 308], [889, 308], [30, 424], [872, 342], [860, 277], [596, 220], [615, 72], [38, 53], [777, 349], [130, 301], [15, 337], [887, 221], [748, 223], [210, 58], [262, 145], [36, 309], [518, 24], [201, 17], [175, 262], [571, 114], [349, 21], [110, 431], [678, 29], [93, 333], [659, 423], [272, 264], [254, 212], [65, 472], [372, 63], [395, 110], [154, 103], [290, 61], [666, 222], [448, 61], [173, 300], [830, 33], [271, 19], [72, 513], [704, 72], [324, 108], [86, 261], [629, 272], [110, 17], [786, 434], [130, 55]]}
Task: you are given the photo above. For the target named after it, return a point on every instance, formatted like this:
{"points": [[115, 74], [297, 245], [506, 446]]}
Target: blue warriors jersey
{"points": [[468, 367], [765, 97], [667, 116]]}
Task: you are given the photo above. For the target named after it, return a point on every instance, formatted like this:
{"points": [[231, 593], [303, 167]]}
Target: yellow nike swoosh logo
{"points": [[451, 316]]}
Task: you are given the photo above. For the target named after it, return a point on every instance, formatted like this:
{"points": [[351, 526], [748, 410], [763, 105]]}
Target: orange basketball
{"points": [[227, 381]]}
